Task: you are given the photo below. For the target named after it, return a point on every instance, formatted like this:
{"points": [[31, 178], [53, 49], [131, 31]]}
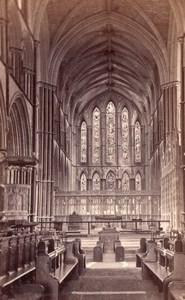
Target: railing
{"points": [[87, 227]]}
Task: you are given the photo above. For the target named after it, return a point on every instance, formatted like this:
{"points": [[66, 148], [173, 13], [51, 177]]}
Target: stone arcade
{"points": [[92, 115]]}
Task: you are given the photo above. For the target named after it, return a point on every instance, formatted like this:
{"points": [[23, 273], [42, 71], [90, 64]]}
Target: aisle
{"points": [[115, 282]]}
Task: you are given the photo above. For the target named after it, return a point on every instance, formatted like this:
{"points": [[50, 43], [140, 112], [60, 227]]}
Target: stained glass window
{"points": [[138, 182], [83, 183], [111, 182], [137, 142], [83, 142], [96, 182], [125, 182], [110, 133], [96, 136], [125, 134]]}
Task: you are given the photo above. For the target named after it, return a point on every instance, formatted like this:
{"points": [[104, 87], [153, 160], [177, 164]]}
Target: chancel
{"points": [[92, 149]]}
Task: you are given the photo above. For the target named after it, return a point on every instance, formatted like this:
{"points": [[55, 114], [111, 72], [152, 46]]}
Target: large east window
{"points": [[110, 150]]}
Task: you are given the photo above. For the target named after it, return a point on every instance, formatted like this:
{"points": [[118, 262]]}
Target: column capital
{"points": [[170, 84], [181, 39], [46, 85]]}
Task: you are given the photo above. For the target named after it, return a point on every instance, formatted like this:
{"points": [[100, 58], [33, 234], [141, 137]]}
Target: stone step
{"points": [[109, 284], [107, 296]]}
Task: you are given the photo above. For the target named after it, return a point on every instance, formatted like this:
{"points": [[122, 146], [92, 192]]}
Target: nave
{"points": [[92, 130], [111, 283]]}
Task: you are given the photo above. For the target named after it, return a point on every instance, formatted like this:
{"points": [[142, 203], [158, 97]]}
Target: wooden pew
{"points": [[119, 251], [176, 290], [98, 252], [17, 260], [54, 267], [80, 254], [141, 252], [163, 265]]}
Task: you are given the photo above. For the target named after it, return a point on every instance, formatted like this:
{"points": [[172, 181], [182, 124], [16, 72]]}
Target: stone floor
{"points": [[110, 280]]}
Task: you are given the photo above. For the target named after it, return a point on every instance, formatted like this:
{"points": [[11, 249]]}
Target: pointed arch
{"points": [[110, 133], [137, 141], [19, 135], [83, 182], [2, 120], [138, 183], [96, 136], [111, 181], [83, 138], [28, 51], [96, 182], [125, 134], [125, 182], [15, 31]]}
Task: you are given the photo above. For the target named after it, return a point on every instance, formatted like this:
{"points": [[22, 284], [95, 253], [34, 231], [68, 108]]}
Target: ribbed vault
{"points": [[108, 47]]}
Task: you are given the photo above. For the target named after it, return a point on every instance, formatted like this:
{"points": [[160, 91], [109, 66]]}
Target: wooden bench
{"points": [[98, 252], [141, 252], [176, 290], [163, 265], [17, 260], [119, 251], [54, 267], [80, 254]]}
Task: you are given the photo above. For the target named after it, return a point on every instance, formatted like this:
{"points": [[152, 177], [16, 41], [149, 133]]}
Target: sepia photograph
{"points": [[92, 149]]}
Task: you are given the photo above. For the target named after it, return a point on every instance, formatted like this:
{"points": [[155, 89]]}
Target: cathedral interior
{"points": [[92, 115]]}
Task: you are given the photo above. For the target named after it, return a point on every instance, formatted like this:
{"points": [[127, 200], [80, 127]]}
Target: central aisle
{"points": [[110, 281]]}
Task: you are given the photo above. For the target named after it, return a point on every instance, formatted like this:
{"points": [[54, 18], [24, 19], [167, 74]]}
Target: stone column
{"points": [[170, 156], [45, 139], [182, 125], [3, 30]]}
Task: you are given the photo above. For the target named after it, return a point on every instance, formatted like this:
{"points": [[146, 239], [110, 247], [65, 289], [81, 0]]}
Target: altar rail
{"points": [[87, 227]]}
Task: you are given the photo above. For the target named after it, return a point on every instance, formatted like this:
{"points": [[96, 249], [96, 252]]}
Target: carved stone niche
{"points": [[14, 202]]}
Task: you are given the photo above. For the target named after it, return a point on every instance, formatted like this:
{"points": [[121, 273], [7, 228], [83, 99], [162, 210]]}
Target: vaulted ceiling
{"points": [[108, 47]]}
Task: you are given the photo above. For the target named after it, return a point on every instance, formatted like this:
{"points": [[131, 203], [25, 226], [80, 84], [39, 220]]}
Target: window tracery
{"points": [[83, 183], [138, 182], [96, 182], [83, 142], [125, 134], [125, 182], [96, 136], [110, 133], [137, 142], [111, 182]]}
